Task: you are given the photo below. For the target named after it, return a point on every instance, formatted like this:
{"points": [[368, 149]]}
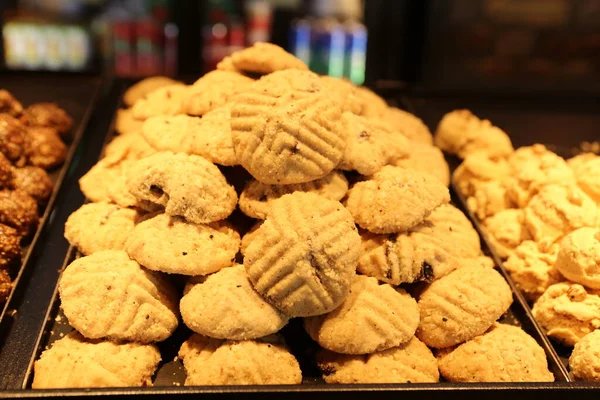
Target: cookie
{"points": [[10, 247], [584, 360], [506, 230], [373, 106], [504, 353], [46, 149], [374, 311], [286, 128], [266, 361], [224, 305], [462, 133], [488, 199], [346, 93], [105, 181], [304, 256], [213, 90], [263, 58], [557, 210], [184, 185], [35, 182], [6, 173], [369, 146], [462, 305], [409, 125], [144, 87], [5, 286], [172, 245], [49, 115], [107, 295], [567, 312], [125, 123], [167, 100], [477, 169], [75, 362], [579, 257], [531, 266], [256, 198], [411, 362], [117, 190], [426, 252], [20, 211], [9, 104], [128, 147], [374, 203], [249, 237], [15, 143], [100, 226], [587, 175], [428, 159], [579, 160]]}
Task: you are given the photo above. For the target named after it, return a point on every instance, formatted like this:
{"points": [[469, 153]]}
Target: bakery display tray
{"points": [[33, 333]]}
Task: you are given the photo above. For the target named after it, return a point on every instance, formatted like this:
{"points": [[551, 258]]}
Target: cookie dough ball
{"points": [[374, 203], [265, 361], [506, 230], [6, 173], [35, 182], [14, 141], [304, 256], [100, 226], [585, 358], [409, 125], [462, 305], [587, 175], [46, 149], [411, 362], [166, 100], [579, 257], [10, 247], [9, 105], [568, 312], [75, 362], [504, 353], [428, 159], [261, 58], [213, 90], [107, 295], [385, 318], [462, 133], [49, 115], [224, 305], [172, 245], [125, 123], [557, 210], [144, 87], [5, 286], [256, 198], [18, 210], [531, 266], [184, 185], [479, 168]]}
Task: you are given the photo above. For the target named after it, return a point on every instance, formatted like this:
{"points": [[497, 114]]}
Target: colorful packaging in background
{"points": [[355, 55], [258, 14], [299, 40], [123, 34], [149, 47], [327, 48]]}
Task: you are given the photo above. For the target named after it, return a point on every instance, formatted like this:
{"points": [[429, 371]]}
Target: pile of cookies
{"points": [[351, 230], [31, 143], [542, 214]]}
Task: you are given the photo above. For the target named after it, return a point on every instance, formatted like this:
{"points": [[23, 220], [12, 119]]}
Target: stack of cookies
{"points": [[346, 225], [542, 214]]}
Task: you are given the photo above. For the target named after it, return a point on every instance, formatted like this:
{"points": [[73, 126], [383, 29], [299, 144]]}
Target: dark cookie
{"points": [[10, 105], [18, 210], [49, 115], [10, 247], [6, 173], [35, 182], [14, 141], [47, 149]]}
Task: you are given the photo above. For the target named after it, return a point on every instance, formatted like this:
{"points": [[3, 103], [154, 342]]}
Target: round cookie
{"points": [[49, 115], [531, 266], [506, 230], [46, 148], [18, 210], [587, 174], [128, 147], [345, 91], [579, 257], [504, 353], [286, 128], [213, 90], [172, 245], [462, 305], [374, 203], [303, 258], [255, 199], [100, 226], [479, 168], [144, 87], [107, 295], [10, 247], [568, 312], [584, 362], [249, 237], [166, 100], [14, 140], [225, 306], [184, 185], [74, 362], [428, 159], [35, 182], [385, 318], [125, 123], [263, 58], [373, 105], [488, 199], [117, 190], [411, 362], [409, 125], [266, 361], [105, 182]]}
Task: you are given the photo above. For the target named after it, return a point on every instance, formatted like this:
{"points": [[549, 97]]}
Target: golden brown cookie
{"points": [[579, 257], [35, 182], [125, 123], [107, 295], [10, 253], [15, 143], [144, 87], [373, 105], [46, 149], [262, 58], [49, 115], [409, 125], [166, 100], [374, 203], [488, 199], [303, 258], [426, 158], [249, 237], [585, 358], [213, 90], [504, 353], [127, 147], [479, 168], [346, 93], [506, 230], [76, 362], [265, 361], [587, 174], [105, 182], [20, 211]]}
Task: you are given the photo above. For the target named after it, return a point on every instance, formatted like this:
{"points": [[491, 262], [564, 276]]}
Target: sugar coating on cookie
{"points": [[568, 311], [426, 252], [479, 168], [125, 123], [213, 90], [411, 362], [286, 128], [384, 316], [462, 133], [224, 305], [531, 266], [255, 199], [462, 305], [579, 257], [506, 230], [265, 361], [264, 58], [167, 100], [144, 87], [409, 125], [304, 256], [184, 185], [107, 295], [175, 246], [375, 202], [584, 362], [505, 353], [76, 362], [426, 158], [100, 226]]}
